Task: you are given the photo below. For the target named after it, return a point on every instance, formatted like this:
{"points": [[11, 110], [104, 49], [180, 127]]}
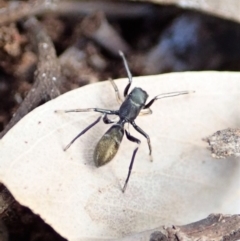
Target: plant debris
{"points": [[224, 143]]}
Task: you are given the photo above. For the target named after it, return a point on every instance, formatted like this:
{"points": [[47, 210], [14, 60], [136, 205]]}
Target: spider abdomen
{"points": [[108, 145]]}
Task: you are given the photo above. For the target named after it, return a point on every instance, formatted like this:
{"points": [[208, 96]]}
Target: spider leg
{"points": [[133, 139], [118, 97], [147, 111], [137, 128], [125, 93], [165, 95], [104, 111], [83, 132]]}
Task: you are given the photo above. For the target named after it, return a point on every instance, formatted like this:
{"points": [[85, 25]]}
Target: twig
{"points": [[17, 10], [113, 9], [6, 200], [97, 28], [75, 69], [47, 77], [215, 227]]}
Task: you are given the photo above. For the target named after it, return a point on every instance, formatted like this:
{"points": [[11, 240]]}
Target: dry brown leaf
{"points": [[182, 185]]}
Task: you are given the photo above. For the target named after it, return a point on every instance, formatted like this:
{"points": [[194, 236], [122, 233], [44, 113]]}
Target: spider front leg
{"points": [[125, 93], [118, 97], [165, 95]]}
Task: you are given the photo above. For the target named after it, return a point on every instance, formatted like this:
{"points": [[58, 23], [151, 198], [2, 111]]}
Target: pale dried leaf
{"points": [[182, 185], [221, 8]]}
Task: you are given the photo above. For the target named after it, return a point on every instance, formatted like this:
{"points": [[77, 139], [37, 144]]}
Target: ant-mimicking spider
{"points": [[133, 105]]}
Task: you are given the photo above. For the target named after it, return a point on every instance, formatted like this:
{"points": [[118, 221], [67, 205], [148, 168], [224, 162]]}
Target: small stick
{"points": [[17, 10], [47, 77], [97, 28]]}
